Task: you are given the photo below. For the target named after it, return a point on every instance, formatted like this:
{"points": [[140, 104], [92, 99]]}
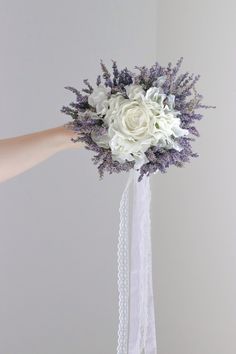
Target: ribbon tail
{"points": [[142, 331], [136, 332], [150, 344]]}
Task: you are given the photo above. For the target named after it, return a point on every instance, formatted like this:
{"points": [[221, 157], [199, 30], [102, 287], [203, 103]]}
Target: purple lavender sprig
{"points": [[187, 101]]}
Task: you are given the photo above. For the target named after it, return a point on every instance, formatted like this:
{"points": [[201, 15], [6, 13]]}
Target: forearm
{"points": [[21, 153]]}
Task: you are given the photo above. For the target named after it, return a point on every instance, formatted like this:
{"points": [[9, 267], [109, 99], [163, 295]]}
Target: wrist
{"points": [[64, 134]]}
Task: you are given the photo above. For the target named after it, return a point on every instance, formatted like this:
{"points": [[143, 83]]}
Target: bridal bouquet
{"points": [[143, 120]]}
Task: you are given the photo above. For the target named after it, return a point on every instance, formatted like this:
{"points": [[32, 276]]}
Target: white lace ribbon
{"points": [[137, 332]]}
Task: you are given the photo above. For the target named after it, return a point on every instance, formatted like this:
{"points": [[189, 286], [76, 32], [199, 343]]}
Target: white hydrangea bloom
{"points": [[99, 99]]}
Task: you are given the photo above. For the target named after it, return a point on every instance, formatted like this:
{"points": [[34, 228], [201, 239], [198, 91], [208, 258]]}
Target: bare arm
{"points": [[21, 153]]}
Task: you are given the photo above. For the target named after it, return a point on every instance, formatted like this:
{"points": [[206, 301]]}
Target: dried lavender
{"points": [[187, 101]]}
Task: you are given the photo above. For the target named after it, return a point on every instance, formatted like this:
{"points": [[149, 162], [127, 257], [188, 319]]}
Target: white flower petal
{"points": [[171, 101], [134, 92], [99, 99]]}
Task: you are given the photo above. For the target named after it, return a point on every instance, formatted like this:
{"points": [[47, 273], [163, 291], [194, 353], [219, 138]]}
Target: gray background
{"points": [[59, 223]]}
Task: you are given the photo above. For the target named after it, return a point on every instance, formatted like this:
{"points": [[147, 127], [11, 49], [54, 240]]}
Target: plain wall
{"points": [[193, 209], [59, 223]]}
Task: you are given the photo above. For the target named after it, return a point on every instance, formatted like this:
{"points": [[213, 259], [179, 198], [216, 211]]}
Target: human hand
{"points": [[65, 133]]}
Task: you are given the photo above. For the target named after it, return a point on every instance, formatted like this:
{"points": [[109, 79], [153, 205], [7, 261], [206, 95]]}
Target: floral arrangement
{"points": [[143, 120]]}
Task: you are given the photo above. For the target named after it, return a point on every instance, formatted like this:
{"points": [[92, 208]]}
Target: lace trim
{"points": [[123, 271]]}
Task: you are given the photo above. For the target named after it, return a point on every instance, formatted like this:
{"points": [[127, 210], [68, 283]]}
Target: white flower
{"points": [[154, 94], [99, 99], [134, 91], [140, 121]]}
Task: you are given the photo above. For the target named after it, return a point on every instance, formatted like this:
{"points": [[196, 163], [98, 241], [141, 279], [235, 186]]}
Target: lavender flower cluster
{"points": [[187, 101]]}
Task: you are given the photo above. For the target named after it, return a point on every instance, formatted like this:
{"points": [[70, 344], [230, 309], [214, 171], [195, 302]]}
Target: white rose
{"points": [[131, 129], [99, 99], [141, 121]]}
